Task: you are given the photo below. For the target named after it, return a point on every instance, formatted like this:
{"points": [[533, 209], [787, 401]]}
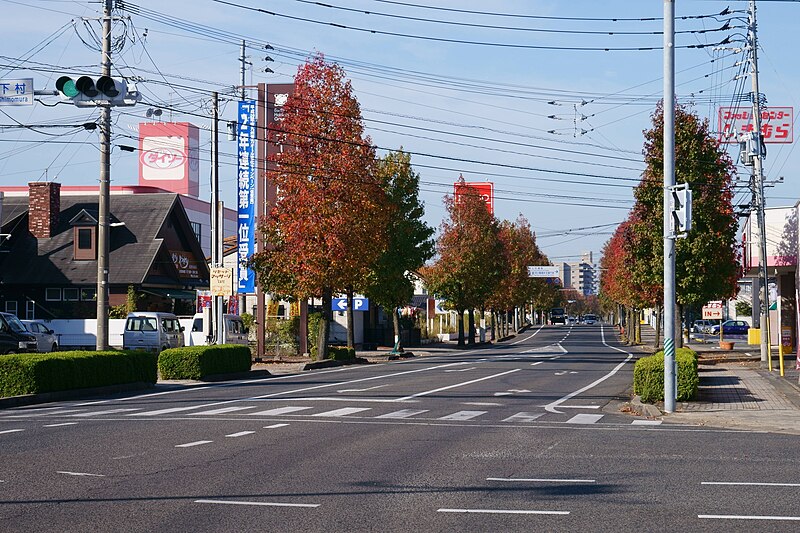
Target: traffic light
{"points": [[88, 91], [681, 208]]}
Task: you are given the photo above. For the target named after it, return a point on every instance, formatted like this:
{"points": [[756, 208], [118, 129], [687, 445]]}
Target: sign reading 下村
{"points": [[246, 198], [16, 92], [544, 271]]}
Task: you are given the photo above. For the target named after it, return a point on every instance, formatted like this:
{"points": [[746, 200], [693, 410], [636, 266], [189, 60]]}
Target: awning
{"points": [[175, 294]]}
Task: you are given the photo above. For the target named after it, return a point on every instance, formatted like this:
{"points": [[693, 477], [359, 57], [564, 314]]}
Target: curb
{"points": [[73, 394], [332, 363], [644, 409], [254, 374]]}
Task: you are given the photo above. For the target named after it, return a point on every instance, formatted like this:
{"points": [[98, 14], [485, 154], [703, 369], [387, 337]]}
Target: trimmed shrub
{"points": [[58, 371], [197, 362], [341, 353], [648, 376]]}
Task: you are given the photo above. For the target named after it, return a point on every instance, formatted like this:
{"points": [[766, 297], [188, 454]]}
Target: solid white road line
{"points": [[646, 422], [482, 404], [59, 425], [223, 410], [344, 411], [754, 484], [461, 369], [107, 412], [584, 419], [501, 511], [541, 480], [280, 411], [403, 413], [532, 335], [275, 426], [417, 395], [523, 417], [261, 504], [580, 407], [748, 517], [463, 415], [362, 390], [195, 443], [240, 434], [56, 412], [11, 431], [80, 474]]}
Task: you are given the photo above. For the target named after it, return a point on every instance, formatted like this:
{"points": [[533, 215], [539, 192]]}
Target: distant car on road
{"points": [[589, 319], [732, 327], [702, 326], [557, 316], [14, 338], [46, 340]]}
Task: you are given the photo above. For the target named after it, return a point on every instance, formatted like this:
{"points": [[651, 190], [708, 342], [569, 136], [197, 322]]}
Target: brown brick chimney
{"points": [[44, 204]]}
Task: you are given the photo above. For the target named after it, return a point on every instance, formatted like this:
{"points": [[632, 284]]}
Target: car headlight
{"points": [[23, 345]]}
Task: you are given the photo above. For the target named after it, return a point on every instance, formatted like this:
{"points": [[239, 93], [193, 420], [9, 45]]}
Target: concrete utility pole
{"points": [[758, 174], [243, 59], [104, 191], [670, 368], [216, 229]]}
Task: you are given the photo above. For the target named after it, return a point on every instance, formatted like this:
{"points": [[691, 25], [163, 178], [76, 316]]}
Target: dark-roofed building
{"points": [[48, 264]]}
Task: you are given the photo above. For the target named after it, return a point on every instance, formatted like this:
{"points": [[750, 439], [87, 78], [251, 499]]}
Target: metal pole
{"points": [[104, 192], [244, 68], [261, 192], [670, 369], [758, 172], [216, 230]]}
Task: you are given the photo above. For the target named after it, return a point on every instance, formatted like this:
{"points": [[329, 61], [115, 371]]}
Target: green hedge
{"points": [[341, 353], [47, 372], [197, 362], [648, 376]]}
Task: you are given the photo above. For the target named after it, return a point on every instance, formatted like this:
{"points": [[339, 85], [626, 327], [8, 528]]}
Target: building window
{"points": [[197, 229], [71, 295], [84, 238], [52, 294], [30, 310], [85, 246], [11, 307], [89, 294]]}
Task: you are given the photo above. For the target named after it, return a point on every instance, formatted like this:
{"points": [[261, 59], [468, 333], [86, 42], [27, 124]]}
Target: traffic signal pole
{"points": [[670, 368], [104, 191]]}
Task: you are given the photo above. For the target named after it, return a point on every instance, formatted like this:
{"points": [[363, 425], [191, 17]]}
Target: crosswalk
{"points": [[256, 410]]}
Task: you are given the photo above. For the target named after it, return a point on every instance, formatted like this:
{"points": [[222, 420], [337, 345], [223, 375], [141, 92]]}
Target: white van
{"points": [[145, 330], [198, 330]]}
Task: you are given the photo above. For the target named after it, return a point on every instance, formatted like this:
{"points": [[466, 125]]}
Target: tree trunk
{"points": [[678, 326], [638, 326], [461, 327], [350, 327], [491, 324], [471, 315], [659, 312], [324, 325], [396, 323]]}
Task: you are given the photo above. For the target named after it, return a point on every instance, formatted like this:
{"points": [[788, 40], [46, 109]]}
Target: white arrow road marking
{"points": [[362, 390]]}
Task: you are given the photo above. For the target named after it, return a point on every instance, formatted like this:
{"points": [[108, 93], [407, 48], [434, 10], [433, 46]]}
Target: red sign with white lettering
{"points": [[776, 124], [483, 188]]}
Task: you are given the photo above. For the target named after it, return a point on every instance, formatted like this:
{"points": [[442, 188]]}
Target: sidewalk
{"points": [[736, 393]]}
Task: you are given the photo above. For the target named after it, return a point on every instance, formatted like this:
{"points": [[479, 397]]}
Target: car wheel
{"points": [[54, 347]]}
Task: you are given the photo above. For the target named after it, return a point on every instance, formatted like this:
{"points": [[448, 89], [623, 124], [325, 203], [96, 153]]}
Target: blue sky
{"points": [[557, 129]]}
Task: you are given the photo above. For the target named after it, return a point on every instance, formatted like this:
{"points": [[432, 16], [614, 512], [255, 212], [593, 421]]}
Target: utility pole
{"points": [[758, 173], [243, 59], [104, 191], [216, 229], [670, 368]]}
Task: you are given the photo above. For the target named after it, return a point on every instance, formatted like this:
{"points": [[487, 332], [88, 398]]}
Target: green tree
{"points": [[410, 242]]}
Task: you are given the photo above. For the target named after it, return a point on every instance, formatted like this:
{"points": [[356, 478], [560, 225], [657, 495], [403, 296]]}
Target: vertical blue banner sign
{"points": [[246, 198]]}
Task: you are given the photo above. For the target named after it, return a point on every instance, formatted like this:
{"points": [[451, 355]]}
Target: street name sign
{"points": [[545, 271]]}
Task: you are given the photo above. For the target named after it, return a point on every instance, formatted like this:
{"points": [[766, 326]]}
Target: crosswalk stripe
{"points": [[344, 411], [403, 413], [523, 417], [223, 410], [280, 411], [56, 412], [107, 412], [167, 411], [646, 422], [584, 419], [463, 415]]}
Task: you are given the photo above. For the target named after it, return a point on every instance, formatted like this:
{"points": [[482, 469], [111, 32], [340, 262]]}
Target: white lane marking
{"points": [[482, 404], [362, 390], [551, 407], [560, 373], [754, 484], [580, 407], [59, 425], [195, 443], [646, 422], [537, 363], [519, 391], [461, 369], [140, 396], [56, 412], [502, 511], [502, 394], [403, 413], [80, 474], [344, 411], [223, 410], [584, 419], [261, 504], [523, 417], [280, 411], [240, 434], [532, 335], [349, 399], [11, 431], [107, 412], [275, 426], [171, 410], [748, 517], [541, 480], [417, 395], [463, 415]]}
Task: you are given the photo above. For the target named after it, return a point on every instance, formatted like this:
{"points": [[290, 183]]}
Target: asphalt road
{"points": [[521, 436]]}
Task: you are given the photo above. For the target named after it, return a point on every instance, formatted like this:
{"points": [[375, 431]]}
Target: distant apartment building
{"points": [[580, 275]]}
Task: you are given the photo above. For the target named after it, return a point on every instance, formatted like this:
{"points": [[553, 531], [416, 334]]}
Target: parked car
{"points": [[14, 338], [197, 331], [146, 330], [732, 327], [703, 326], [46, 340]]}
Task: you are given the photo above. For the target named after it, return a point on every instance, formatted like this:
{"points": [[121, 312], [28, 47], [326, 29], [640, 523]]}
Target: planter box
{"points": [[726, 345]]}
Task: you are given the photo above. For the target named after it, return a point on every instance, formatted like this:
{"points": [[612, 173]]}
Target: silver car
{"points": [[46, 340]]}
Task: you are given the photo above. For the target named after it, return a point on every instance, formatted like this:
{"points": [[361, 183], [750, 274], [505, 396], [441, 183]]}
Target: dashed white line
{"points": [[748, 517], [275, 426], [541, 480], [502, 511], [83, 474], [11, 431], [262, 504], [59, 425], [754, 484], [240, 434], [195, 443]]}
